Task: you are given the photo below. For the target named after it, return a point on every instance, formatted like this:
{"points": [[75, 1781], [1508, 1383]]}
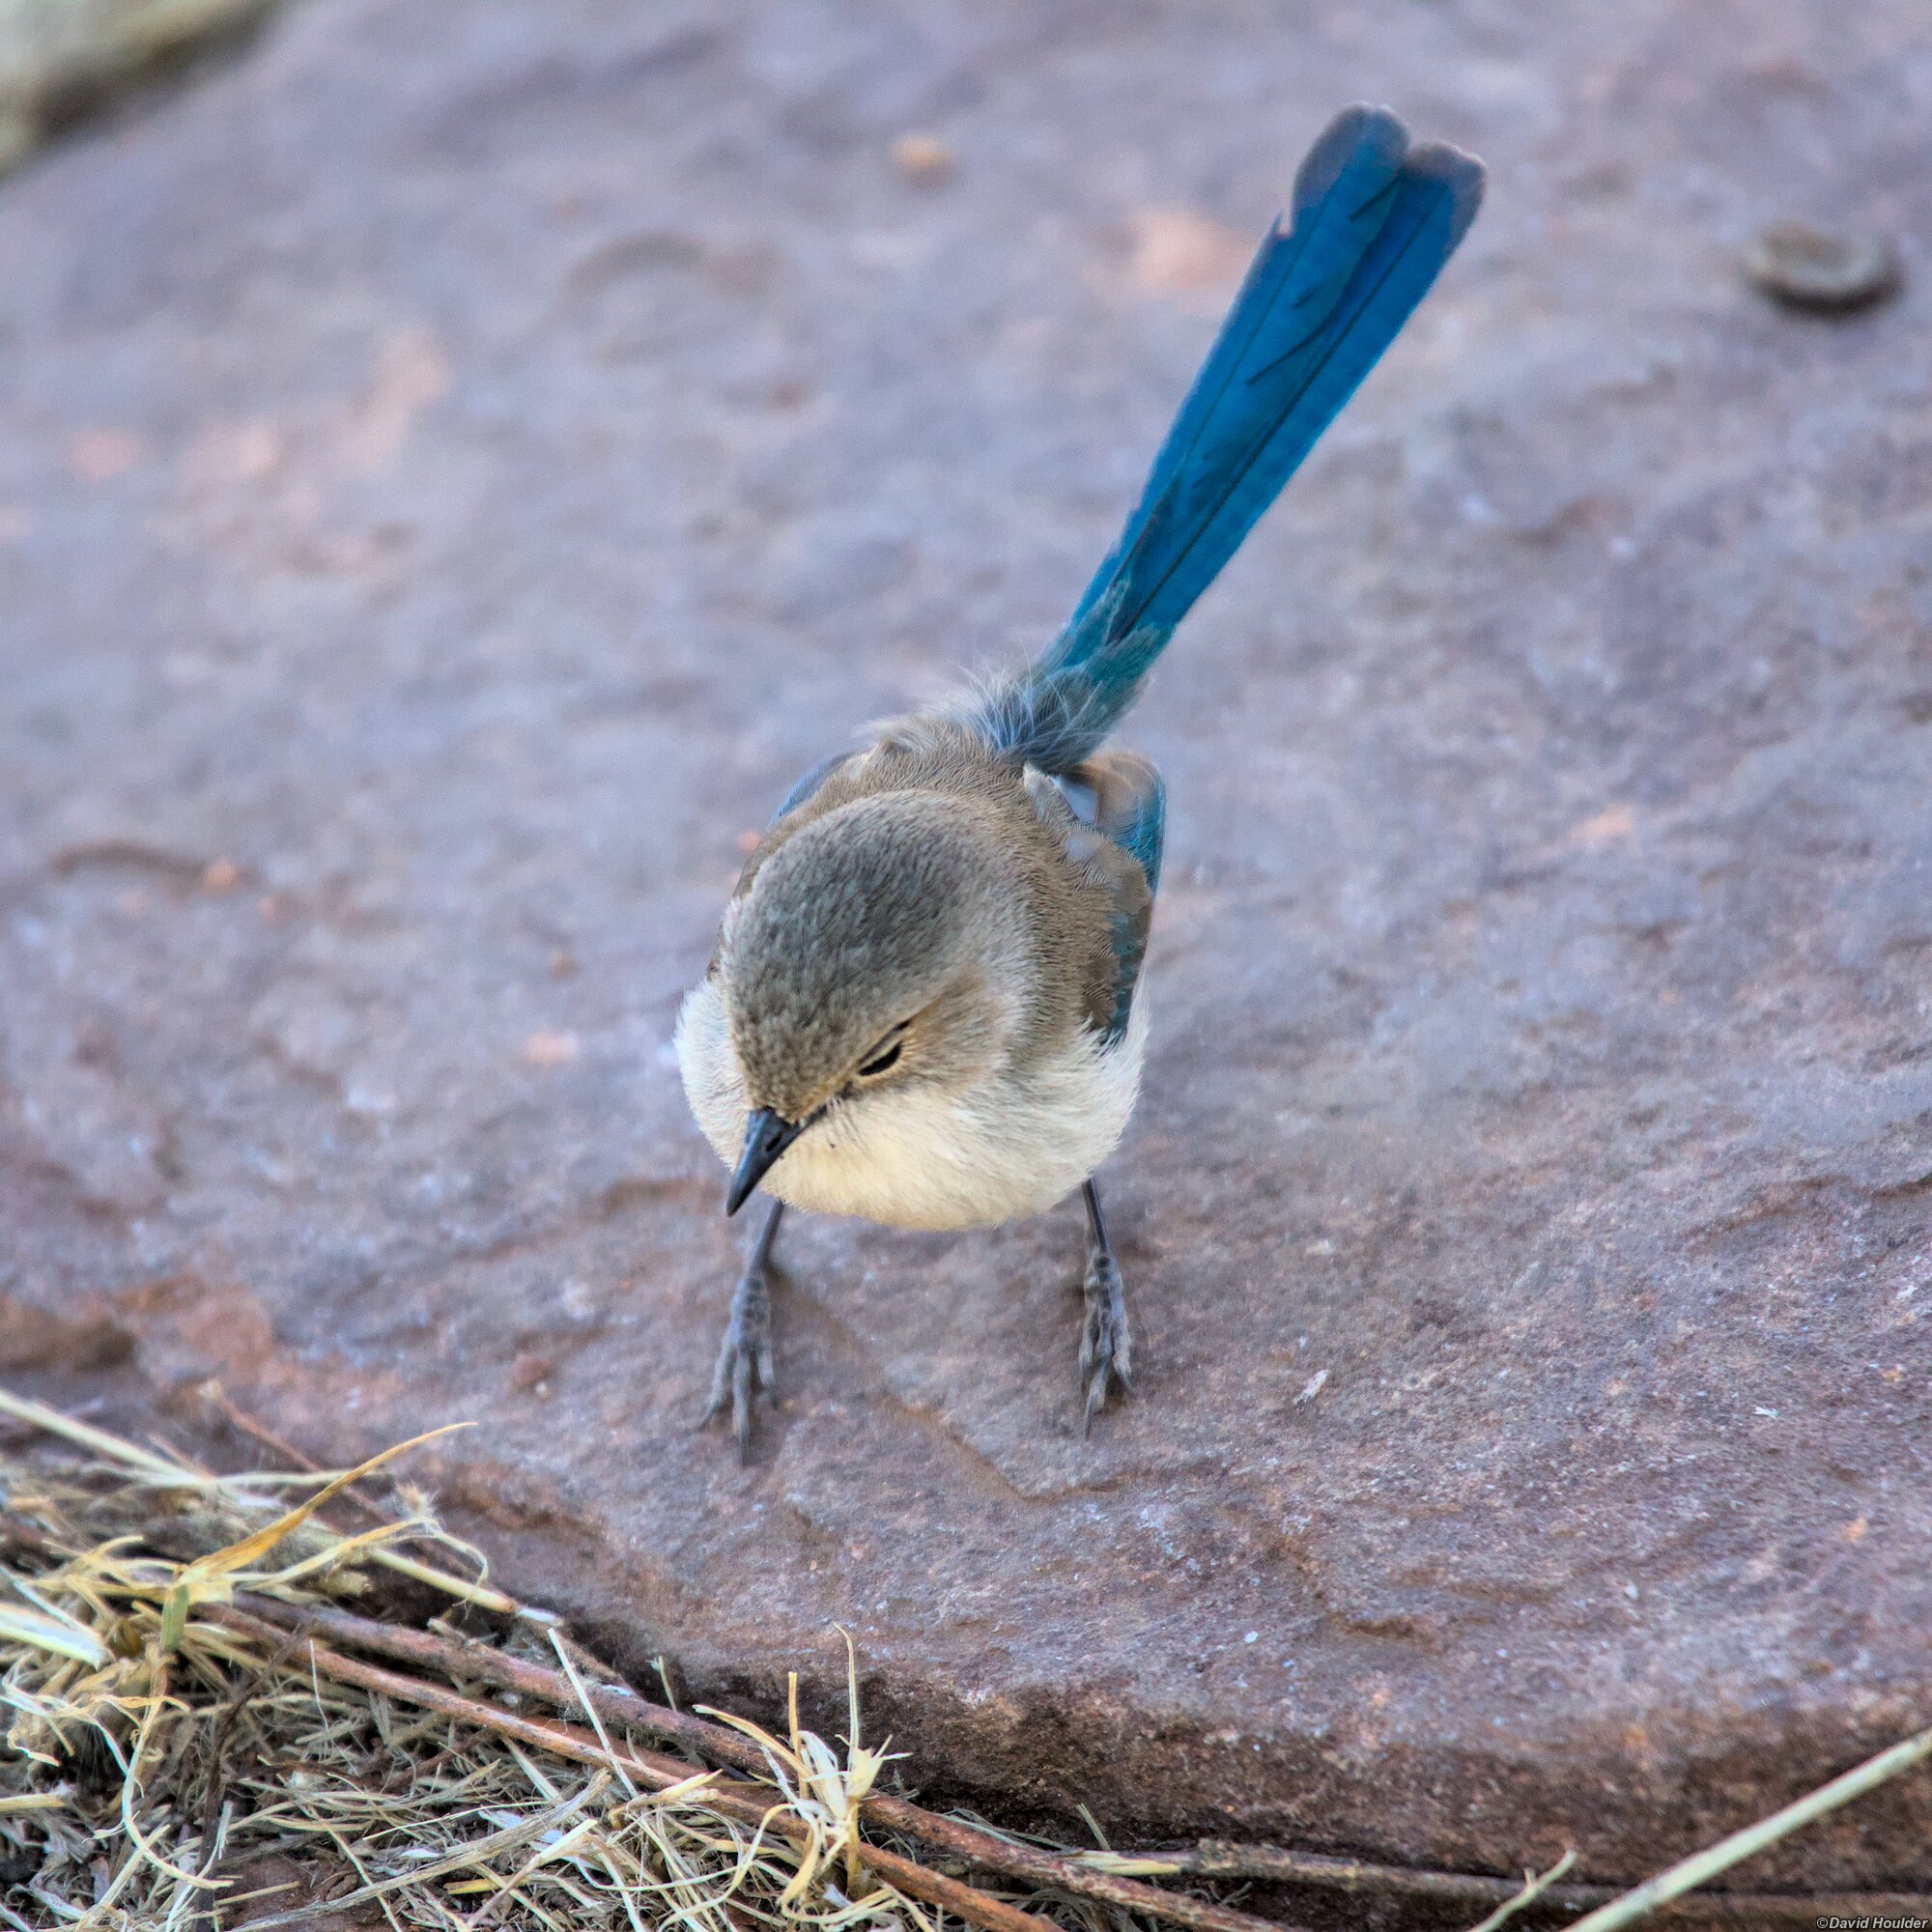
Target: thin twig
{"points": [[1279, 1864], [619, 1704], [1534, 1886]]}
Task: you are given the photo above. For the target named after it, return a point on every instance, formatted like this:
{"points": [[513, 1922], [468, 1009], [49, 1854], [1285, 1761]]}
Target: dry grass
{"points": [[176, 1764]]}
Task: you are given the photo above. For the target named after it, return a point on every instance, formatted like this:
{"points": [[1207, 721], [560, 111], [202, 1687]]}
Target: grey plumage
{"points": [[931, 901], [912, 876]]}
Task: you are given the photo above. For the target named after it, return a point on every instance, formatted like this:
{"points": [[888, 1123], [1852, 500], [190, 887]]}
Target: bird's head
{"points": [[883, 946]]}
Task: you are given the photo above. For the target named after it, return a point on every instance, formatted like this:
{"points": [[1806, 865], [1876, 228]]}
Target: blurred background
{"points": [[459, 464]]}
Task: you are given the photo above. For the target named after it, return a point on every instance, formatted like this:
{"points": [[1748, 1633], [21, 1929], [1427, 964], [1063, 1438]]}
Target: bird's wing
{"points": [[1119, 809], [811, 782], [1130, 807]]}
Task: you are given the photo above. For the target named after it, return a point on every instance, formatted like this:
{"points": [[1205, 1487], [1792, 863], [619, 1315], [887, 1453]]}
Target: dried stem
{"points": [[1754, 1839], [1219, 1858]]}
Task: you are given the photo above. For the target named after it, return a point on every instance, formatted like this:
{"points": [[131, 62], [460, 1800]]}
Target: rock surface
{"points": [[460, 465]]}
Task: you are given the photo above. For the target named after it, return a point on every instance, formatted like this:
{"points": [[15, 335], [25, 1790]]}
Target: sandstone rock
{"points": [[459, 466]]}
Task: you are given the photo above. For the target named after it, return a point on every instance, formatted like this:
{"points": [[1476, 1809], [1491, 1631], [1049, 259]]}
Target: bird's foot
{"points": [[744, 1357], [1107, 1343]]}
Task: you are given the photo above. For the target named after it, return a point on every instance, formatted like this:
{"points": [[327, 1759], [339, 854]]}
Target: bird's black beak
{"points": [[766, 1137]]}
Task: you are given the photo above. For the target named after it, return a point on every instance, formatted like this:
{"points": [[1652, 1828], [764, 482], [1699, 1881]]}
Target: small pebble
{"points": [[549, 1047], [922, 158], [1825, 273]]}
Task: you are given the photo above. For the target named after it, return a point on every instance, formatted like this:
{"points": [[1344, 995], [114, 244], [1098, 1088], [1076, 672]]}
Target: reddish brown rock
{"points": [[458, 468]]}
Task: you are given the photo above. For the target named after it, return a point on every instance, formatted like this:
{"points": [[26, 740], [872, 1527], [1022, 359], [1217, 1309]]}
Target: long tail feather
{"points": [[1374, 221]]}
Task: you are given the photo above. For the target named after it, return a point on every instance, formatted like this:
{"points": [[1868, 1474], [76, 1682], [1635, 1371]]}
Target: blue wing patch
{"points": [[1120, 795], [811, 782]]}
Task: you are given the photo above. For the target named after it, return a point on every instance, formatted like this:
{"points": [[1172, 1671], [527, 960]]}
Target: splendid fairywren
{"points": [[922, 1008]]}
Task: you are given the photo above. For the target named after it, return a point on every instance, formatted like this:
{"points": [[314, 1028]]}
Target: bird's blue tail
{"points": [[1374, 221]]}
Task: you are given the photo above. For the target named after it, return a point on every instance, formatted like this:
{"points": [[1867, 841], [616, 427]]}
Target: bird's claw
{"points": [[1106, 1343], [744, 1360]]}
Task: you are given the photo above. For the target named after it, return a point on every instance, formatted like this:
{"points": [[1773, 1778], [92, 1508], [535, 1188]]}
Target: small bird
{"points": [[921, 1004]]}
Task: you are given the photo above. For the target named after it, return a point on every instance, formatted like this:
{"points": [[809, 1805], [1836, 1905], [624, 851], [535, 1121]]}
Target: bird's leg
{"points": [[1106, 1343], [745, 1355]]}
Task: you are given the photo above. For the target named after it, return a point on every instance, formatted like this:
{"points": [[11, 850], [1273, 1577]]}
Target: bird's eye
{"points": [[883, 1062]]}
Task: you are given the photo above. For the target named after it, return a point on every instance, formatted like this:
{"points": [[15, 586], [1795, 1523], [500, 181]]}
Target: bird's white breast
{"points": [[917, 1156]]}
